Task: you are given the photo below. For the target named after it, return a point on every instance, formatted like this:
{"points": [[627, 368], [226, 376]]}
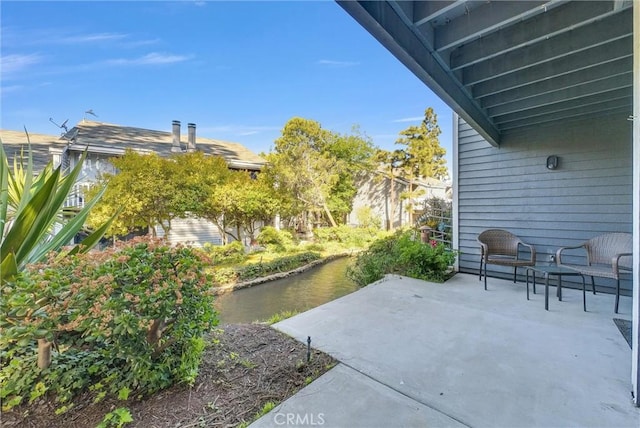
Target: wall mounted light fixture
{"points": [[552, 162]]}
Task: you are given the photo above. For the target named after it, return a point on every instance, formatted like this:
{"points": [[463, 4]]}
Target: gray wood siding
{"points": [[510, 187], [194, 231]]}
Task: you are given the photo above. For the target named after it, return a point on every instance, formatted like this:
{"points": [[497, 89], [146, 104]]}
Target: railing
{"points": [[435, 222]]}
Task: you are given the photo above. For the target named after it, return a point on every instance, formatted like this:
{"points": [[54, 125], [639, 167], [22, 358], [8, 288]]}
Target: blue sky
{"points": [[239, 70]]}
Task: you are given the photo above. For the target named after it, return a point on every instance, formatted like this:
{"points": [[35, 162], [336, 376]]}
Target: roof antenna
{"points": [[62, 126], [90, 111]]}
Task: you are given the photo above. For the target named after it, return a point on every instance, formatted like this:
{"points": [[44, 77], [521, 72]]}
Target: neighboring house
{"points": [[529, 80], [103, 141], [374, 192]]}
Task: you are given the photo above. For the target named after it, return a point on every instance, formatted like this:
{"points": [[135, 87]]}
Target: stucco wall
{"points": [[510, 187]]}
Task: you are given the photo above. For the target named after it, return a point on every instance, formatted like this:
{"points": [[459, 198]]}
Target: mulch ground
{"points": [[245, 367]]}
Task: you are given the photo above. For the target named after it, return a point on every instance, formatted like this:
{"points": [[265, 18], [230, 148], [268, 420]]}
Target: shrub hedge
{"points": [[122, 321]]}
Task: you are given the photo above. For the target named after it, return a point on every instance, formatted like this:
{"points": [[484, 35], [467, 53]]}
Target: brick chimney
{"points": [[175, 132], [191, 142]]}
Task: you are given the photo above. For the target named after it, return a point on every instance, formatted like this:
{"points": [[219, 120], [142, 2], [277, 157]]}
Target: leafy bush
{"points": [[32, 223], [275, 240], [366, 218], [347, 235], [282, 264], [256, 270], [122, 320], [403, 254], [233, 252]]}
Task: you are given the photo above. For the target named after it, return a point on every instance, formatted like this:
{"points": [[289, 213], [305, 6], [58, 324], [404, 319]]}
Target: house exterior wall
{"points": [[374, 192], [509, 187], [194, 231]]}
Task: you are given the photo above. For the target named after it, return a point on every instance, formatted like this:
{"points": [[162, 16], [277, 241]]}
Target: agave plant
{"points": [[31, 213]]}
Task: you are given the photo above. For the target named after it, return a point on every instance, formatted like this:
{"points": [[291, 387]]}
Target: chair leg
{"points": [[515, 270], [617, 295], [593, 286], [485, 276], [480, 272]]}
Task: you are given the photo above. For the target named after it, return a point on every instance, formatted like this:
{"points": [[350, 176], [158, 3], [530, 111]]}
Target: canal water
{"points": [[299, 292]]}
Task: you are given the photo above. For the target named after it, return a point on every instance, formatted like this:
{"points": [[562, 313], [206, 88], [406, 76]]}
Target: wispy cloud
{"points": [[333, 63], [14, 63], [88, 38], [138, 43], [409, 119], [10, 88], [153, 58], [237, 130]]}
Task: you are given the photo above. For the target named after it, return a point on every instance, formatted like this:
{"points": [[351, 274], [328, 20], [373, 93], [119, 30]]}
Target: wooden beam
{"points": [[388, 27]]}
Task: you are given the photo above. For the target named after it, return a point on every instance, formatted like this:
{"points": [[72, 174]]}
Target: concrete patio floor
{"points": [[417, 354]]}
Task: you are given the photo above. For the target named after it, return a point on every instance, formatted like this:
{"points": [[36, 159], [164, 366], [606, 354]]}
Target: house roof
{"points": [[15, 141], [512, 66], [100, 136], [112, 139]]}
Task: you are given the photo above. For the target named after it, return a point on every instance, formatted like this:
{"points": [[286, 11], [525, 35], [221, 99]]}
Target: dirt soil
{"points": [[246, 366]]}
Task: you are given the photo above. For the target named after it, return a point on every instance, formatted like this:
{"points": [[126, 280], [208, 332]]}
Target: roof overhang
{"points": [[512, 66]]}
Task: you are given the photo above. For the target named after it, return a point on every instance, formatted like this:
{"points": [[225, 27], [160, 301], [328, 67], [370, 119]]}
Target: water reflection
{"points": [[295, 293]]}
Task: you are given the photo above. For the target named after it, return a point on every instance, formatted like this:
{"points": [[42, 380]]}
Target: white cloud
{"points": [[153, 58], [236, 130], [88, 38], [10, 88], [15, 63], [332, 63], [410, 119]]}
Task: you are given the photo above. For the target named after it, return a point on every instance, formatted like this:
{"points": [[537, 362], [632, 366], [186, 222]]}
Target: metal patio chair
{"points": [[501, 247], [608, 256]]}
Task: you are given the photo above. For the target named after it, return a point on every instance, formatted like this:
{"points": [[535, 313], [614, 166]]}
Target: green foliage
{"points": [[282, 315], [283, 264], [317, 167], [233, 252], [275, 240], [116, 419], [32, 223], [151, 190], [123, 320], [424, 155], [349, 236], [257, 270], [403, 254], [367, 219]]}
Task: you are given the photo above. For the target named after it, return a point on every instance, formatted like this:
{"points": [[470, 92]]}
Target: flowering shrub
{"points": [[121, 321], [402, 254]]}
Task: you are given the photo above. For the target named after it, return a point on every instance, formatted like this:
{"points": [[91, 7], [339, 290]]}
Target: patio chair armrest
{"points": [[560, 250], [483, 249], [615, 261], [532, 250]]}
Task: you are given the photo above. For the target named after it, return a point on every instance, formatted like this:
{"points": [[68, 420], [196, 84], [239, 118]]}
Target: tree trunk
{"points": [[44, 353], [326, 210], [392, 211]]}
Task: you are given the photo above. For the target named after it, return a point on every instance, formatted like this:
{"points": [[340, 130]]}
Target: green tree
{"points": [[318, 168], [240, 203], [251, 202], [195, 175], [422, 157], [144, 191], [152, 190], [425, 156], [391, 163], [355, 155]]}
